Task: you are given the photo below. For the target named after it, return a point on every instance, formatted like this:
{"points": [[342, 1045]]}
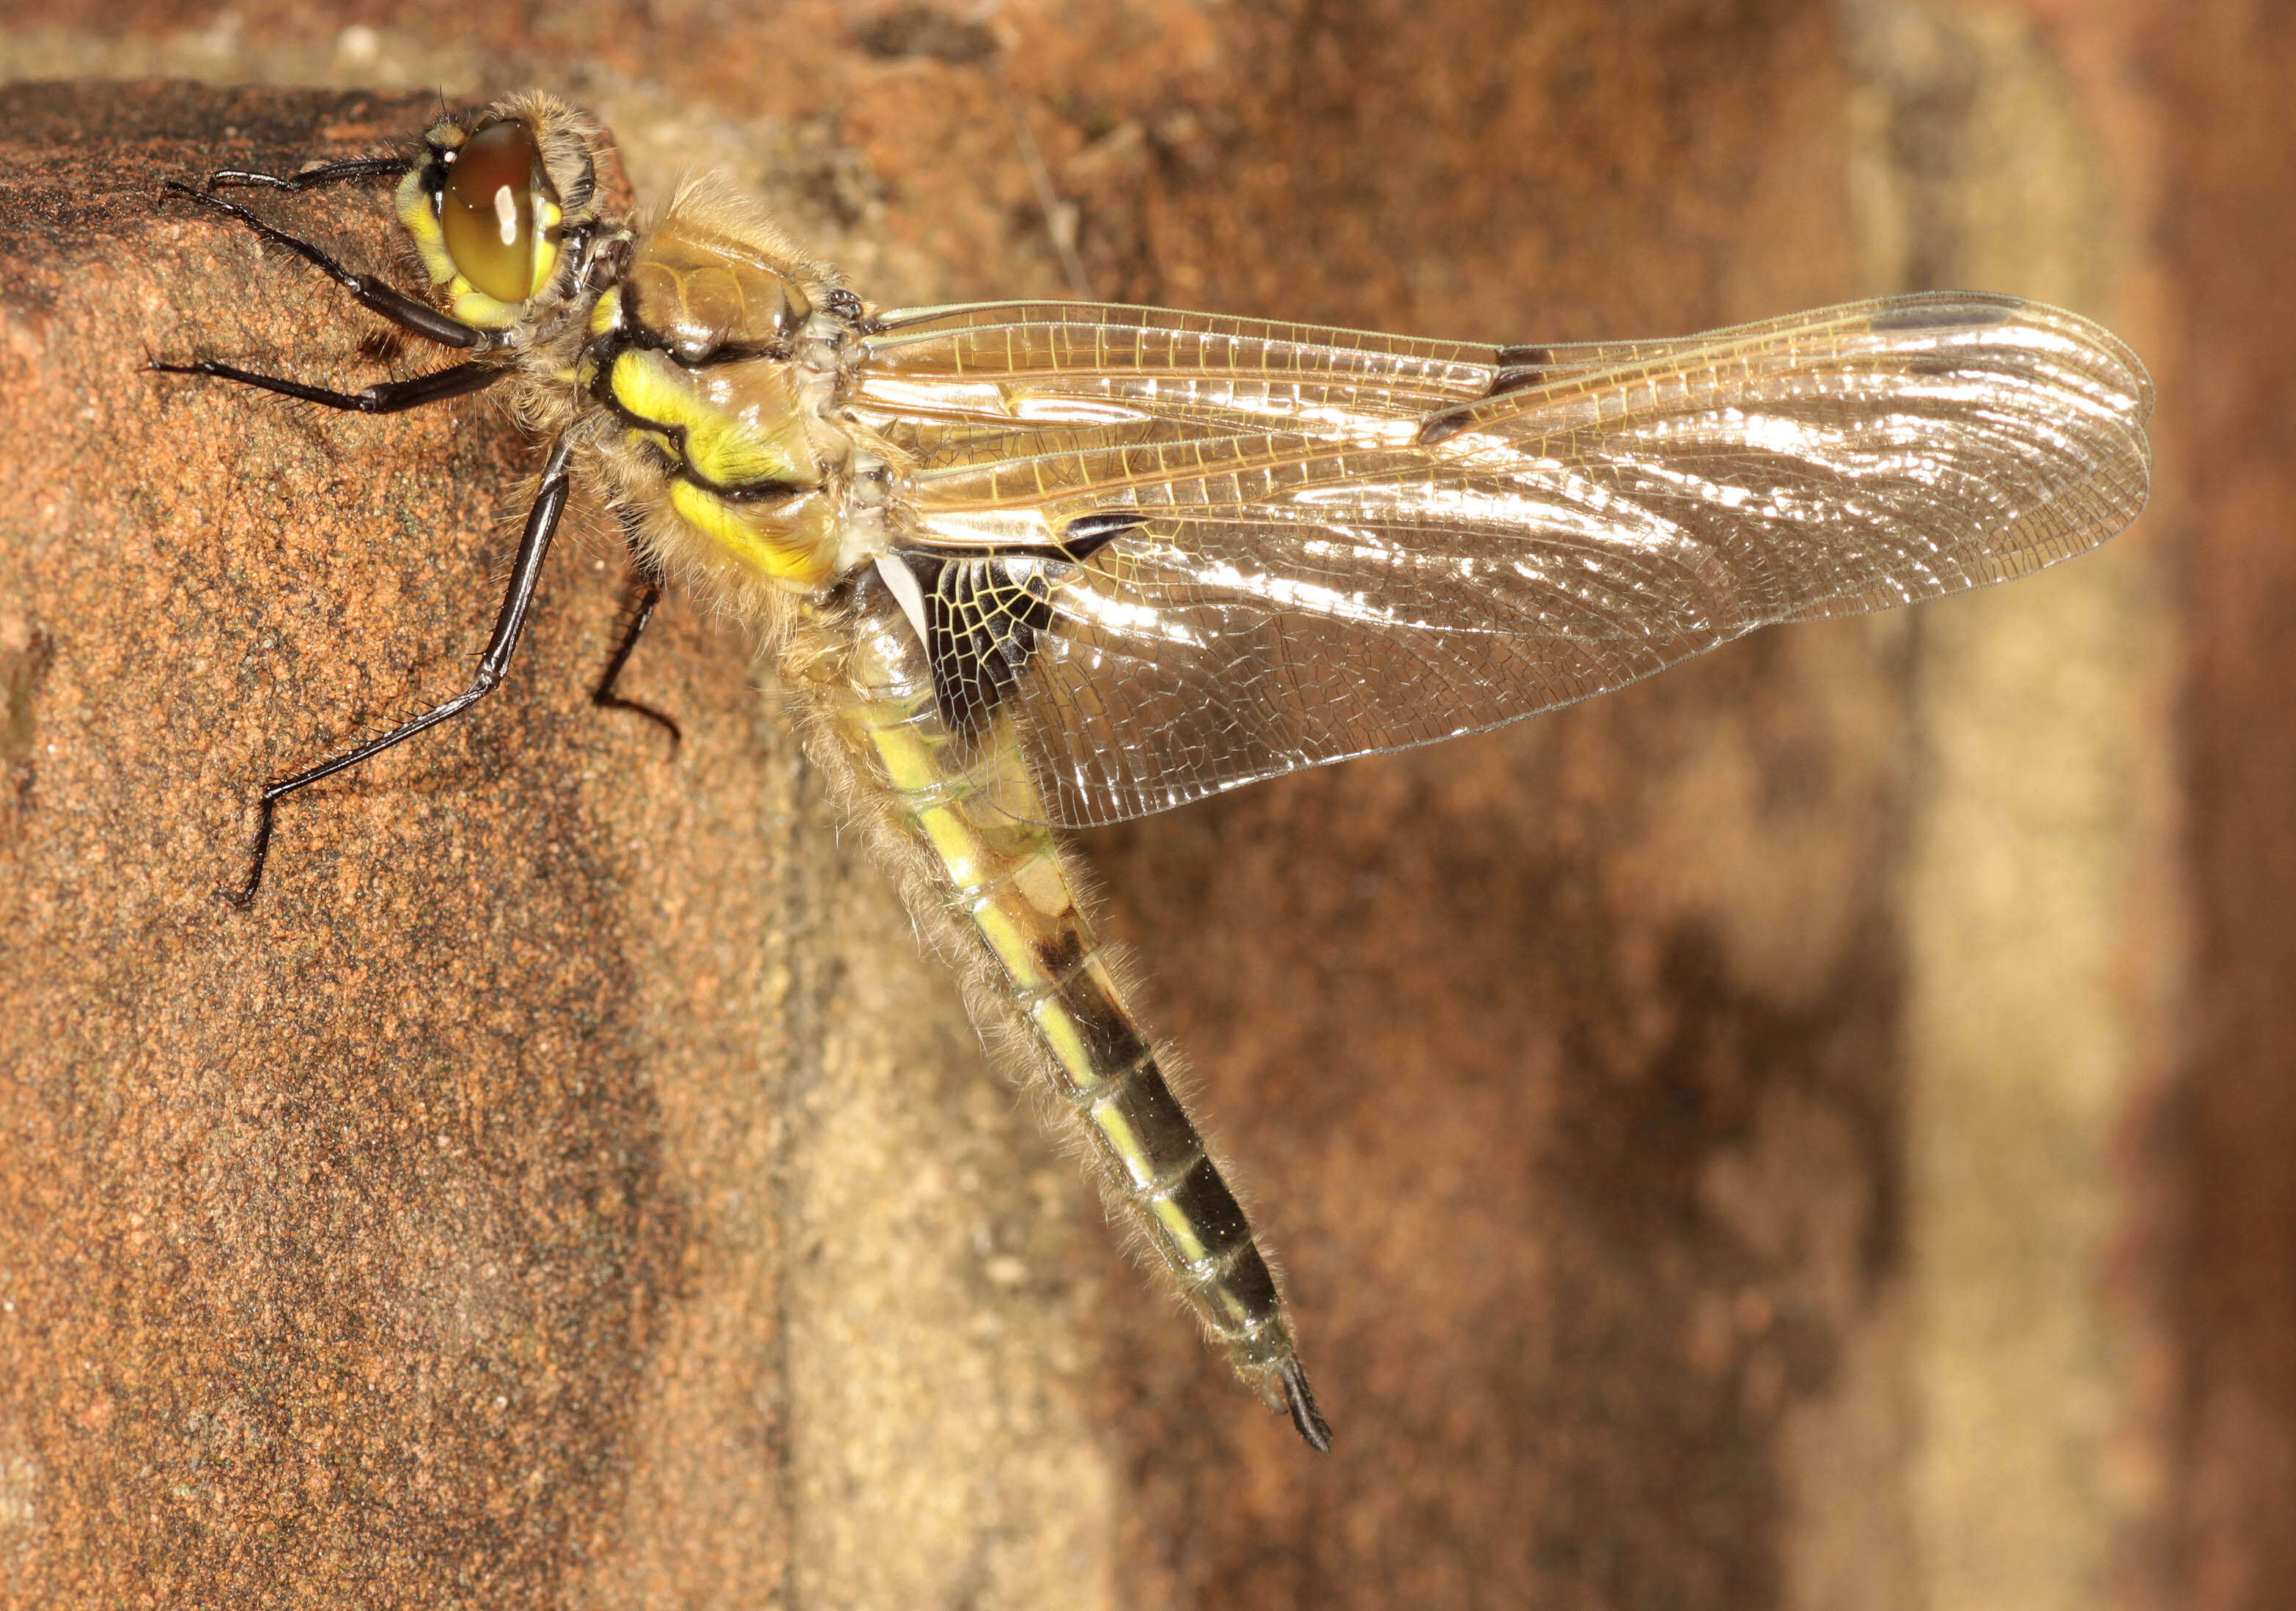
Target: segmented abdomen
{"points": [[1036, 964]]}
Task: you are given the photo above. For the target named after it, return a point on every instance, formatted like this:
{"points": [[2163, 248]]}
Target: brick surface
{"points": [[568, 1186]]}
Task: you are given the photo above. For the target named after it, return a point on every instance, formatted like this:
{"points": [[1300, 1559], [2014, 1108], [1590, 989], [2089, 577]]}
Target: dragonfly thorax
{"points": [[717, 364]]}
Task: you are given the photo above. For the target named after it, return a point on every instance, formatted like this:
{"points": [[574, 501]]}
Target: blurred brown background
{"points": [[1813, 1130]]}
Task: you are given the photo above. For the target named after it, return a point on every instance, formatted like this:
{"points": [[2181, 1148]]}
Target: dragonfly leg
{"points": [[378, 295], [526, 570], [310, 178], [385, 397], [645, 596]]}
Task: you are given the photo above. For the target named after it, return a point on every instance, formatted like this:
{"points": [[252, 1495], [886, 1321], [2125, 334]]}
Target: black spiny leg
{"points": [[647, 595], [310, 178], [385, 397], [533, 547], [377, 296]]}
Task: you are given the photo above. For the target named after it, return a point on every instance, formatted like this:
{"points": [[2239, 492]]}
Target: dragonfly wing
{"points": [[1346, 544]]}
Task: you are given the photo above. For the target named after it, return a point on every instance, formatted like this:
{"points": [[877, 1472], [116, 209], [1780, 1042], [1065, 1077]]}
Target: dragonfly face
{"points": [[1025, 565]]}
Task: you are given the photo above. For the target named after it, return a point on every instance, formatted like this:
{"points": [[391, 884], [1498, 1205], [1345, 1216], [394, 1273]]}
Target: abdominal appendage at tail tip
{"points": [[1301, 1402]]}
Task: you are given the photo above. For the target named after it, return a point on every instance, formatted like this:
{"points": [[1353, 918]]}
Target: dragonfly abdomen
{"points": [[1043, 978]]}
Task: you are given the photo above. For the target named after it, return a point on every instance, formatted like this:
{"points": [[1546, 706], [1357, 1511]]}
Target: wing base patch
{"points": [[980, 615]]}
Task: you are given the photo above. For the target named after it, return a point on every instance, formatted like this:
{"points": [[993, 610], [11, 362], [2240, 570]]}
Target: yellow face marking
{"points": [[547, 216], [474, 307], [466, 301], [412, 205]]}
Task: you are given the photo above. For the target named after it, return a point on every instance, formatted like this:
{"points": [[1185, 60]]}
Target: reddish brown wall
{"points": [[2228, 234], [1572, 1067]]}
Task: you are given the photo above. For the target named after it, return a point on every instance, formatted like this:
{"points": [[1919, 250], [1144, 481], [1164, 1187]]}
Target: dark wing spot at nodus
{"points": [[984, 613], [1522, 366], [1519, 368]]}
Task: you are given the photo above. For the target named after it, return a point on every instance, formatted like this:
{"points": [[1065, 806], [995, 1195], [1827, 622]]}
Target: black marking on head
{"points": [[434, 166]]}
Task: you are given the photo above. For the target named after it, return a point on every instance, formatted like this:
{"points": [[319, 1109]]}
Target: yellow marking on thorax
{"points": [[721, 449], [791, 540]]}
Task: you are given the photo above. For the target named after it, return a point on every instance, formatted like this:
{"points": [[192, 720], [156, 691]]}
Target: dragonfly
{"points": [[1030, 566]]}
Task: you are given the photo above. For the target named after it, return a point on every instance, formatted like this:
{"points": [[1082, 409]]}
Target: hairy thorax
{"points": [[720, 355]]}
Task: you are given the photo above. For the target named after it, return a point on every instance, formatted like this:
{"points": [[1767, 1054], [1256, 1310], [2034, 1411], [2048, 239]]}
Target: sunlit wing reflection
{"points": [[1352, 544]]}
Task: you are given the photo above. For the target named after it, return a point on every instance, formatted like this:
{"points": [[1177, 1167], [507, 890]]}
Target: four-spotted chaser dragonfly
{"points": [[1033, 565]]}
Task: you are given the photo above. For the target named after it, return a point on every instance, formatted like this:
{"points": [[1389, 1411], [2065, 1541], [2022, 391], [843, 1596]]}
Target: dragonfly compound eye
{"points": [[499, 215]]}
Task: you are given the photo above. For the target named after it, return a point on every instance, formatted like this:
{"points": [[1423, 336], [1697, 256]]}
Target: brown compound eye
{"points": [[486, 211]]}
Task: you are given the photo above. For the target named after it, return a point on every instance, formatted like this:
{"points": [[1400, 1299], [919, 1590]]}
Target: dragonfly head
{"points": [[493, 202]]}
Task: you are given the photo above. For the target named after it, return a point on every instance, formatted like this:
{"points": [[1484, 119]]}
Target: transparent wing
{"points": [[1350, 544]]}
